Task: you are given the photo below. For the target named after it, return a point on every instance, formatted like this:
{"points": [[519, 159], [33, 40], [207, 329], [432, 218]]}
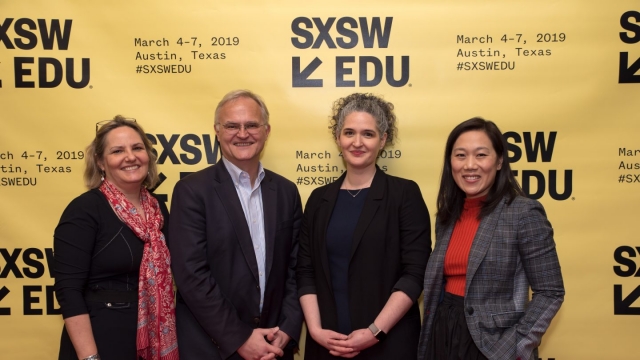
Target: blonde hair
{"points": [[95, 151]]}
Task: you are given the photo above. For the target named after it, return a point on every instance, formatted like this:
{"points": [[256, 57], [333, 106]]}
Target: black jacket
{"points": [[390, 249]]}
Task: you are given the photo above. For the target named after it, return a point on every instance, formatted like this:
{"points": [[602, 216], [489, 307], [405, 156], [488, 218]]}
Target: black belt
{"points": [[114, 296]]}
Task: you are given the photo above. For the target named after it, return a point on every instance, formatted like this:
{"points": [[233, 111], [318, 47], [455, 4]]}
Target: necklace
{"points": [[358, 192], [352, 195]]}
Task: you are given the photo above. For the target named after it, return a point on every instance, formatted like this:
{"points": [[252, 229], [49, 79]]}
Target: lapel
{"points": [[434, 274], [481, 242], [323, 215], [228, 195], [371, 204], [443, 237], [269, 207]]}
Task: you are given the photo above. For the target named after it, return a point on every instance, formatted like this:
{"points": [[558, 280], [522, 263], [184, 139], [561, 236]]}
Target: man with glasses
{"points": [[233, 237]]}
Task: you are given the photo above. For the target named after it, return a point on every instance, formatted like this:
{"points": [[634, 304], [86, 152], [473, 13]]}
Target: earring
{"points": [[102, 176]]}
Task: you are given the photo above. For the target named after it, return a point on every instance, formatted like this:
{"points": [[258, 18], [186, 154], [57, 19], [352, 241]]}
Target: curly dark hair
{"points": [[373, 105]]}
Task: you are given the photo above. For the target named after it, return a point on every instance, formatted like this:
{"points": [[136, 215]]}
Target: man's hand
{"points": [[279, 339], [257, 348]]}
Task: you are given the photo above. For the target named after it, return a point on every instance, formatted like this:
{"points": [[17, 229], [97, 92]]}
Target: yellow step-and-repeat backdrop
{"points": [[559, 78]]}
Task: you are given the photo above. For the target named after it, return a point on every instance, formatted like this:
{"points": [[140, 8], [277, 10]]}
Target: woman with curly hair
{"points": [[364, 245]]}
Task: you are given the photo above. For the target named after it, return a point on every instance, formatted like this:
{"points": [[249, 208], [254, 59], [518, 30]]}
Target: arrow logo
{"points": [[161, 197], [301, 78], [3, 292], [161, 178], [623, 306], [627, 74]]}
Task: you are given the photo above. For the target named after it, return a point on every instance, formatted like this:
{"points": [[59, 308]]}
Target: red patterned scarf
{"points": [[156, 311]]}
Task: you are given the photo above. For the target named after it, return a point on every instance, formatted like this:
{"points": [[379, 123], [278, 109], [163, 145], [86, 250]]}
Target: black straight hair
{"points": [[451, 197]]}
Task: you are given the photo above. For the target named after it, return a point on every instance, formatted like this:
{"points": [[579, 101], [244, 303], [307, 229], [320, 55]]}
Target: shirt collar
{"points": [[236, 172]]}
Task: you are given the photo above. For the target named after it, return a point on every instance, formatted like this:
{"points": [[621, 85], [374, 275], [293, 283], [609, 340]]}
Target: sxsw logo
{"points": [[627, 72], [183, 149], [538, 146], [628, 260], [31, 263], [350, 71], [43, 72]]}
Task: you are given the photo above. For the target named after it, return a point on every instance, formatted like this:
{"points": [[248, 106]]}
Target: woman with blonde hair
{"points": [[111, 263]]}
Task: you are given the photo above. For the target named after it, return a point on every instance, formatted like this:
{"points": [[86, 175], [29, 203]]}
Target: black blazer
{"points": [[391, 246], [215, 268]]}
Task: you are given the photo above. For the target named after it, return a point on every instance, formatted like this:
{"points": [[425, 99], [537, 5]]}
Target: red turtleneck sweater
{"points": [[457, 257]]}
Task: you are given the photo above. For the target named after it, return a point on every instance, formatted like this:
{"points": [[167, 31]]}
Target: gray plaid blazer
{"points": [[512, 251]]}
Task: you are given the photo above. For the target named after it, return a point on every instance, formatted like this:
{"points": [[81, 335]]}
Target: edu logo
{"points": [[43, 72]]}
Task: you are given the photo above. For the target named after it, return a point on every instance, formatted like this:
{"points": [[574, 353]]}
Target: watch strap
{"points": [[377, 333]]}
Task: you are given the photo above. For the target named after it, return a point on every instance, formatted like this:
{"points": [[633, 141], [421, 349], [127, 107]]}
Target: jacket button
{"points": [[256, 320], [470, 310]]}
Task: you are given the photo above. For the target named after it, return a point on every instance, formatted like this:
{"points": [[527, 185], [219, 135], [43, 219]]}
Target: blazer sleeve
{"points": [[291, 314], [305, 272], [540, 262], [188, 247], [415, 241], [73, 243]]}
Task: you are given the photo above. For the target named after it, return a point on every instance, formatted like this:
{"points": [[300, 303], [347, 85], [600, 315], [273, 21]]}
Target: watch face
{"points": [[377, 333]]}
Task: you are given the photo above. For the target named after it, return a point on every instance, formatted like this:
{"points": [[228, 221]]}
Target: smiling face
{"points": [[125, 160], [360, 141], [241, 148], [474, 163]]}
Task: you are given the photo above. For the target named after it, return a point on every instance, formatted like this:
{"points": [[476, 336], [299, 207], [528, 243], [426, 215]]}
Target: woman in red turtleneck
{"points": [[456, 259], [492, 245]]}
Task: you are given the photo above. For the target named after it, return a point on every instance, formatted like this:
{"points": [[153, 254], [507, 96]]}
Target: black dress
{"points": [[339, 240], [96, 265]]}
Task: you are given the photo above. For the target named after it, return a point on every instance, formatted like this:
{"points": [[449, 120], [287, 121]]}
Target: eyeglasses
{"points": [[100, 124], [252, 128]]}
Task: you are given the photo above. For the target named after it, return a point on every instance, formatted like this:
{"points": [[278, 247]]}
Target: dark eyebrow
{"points": [[476, 149], [346, 128]]}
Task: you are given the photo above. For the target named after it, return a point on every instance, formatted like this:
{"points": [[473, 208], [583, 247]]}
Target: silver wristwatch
{"points": [[377, 333]]}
